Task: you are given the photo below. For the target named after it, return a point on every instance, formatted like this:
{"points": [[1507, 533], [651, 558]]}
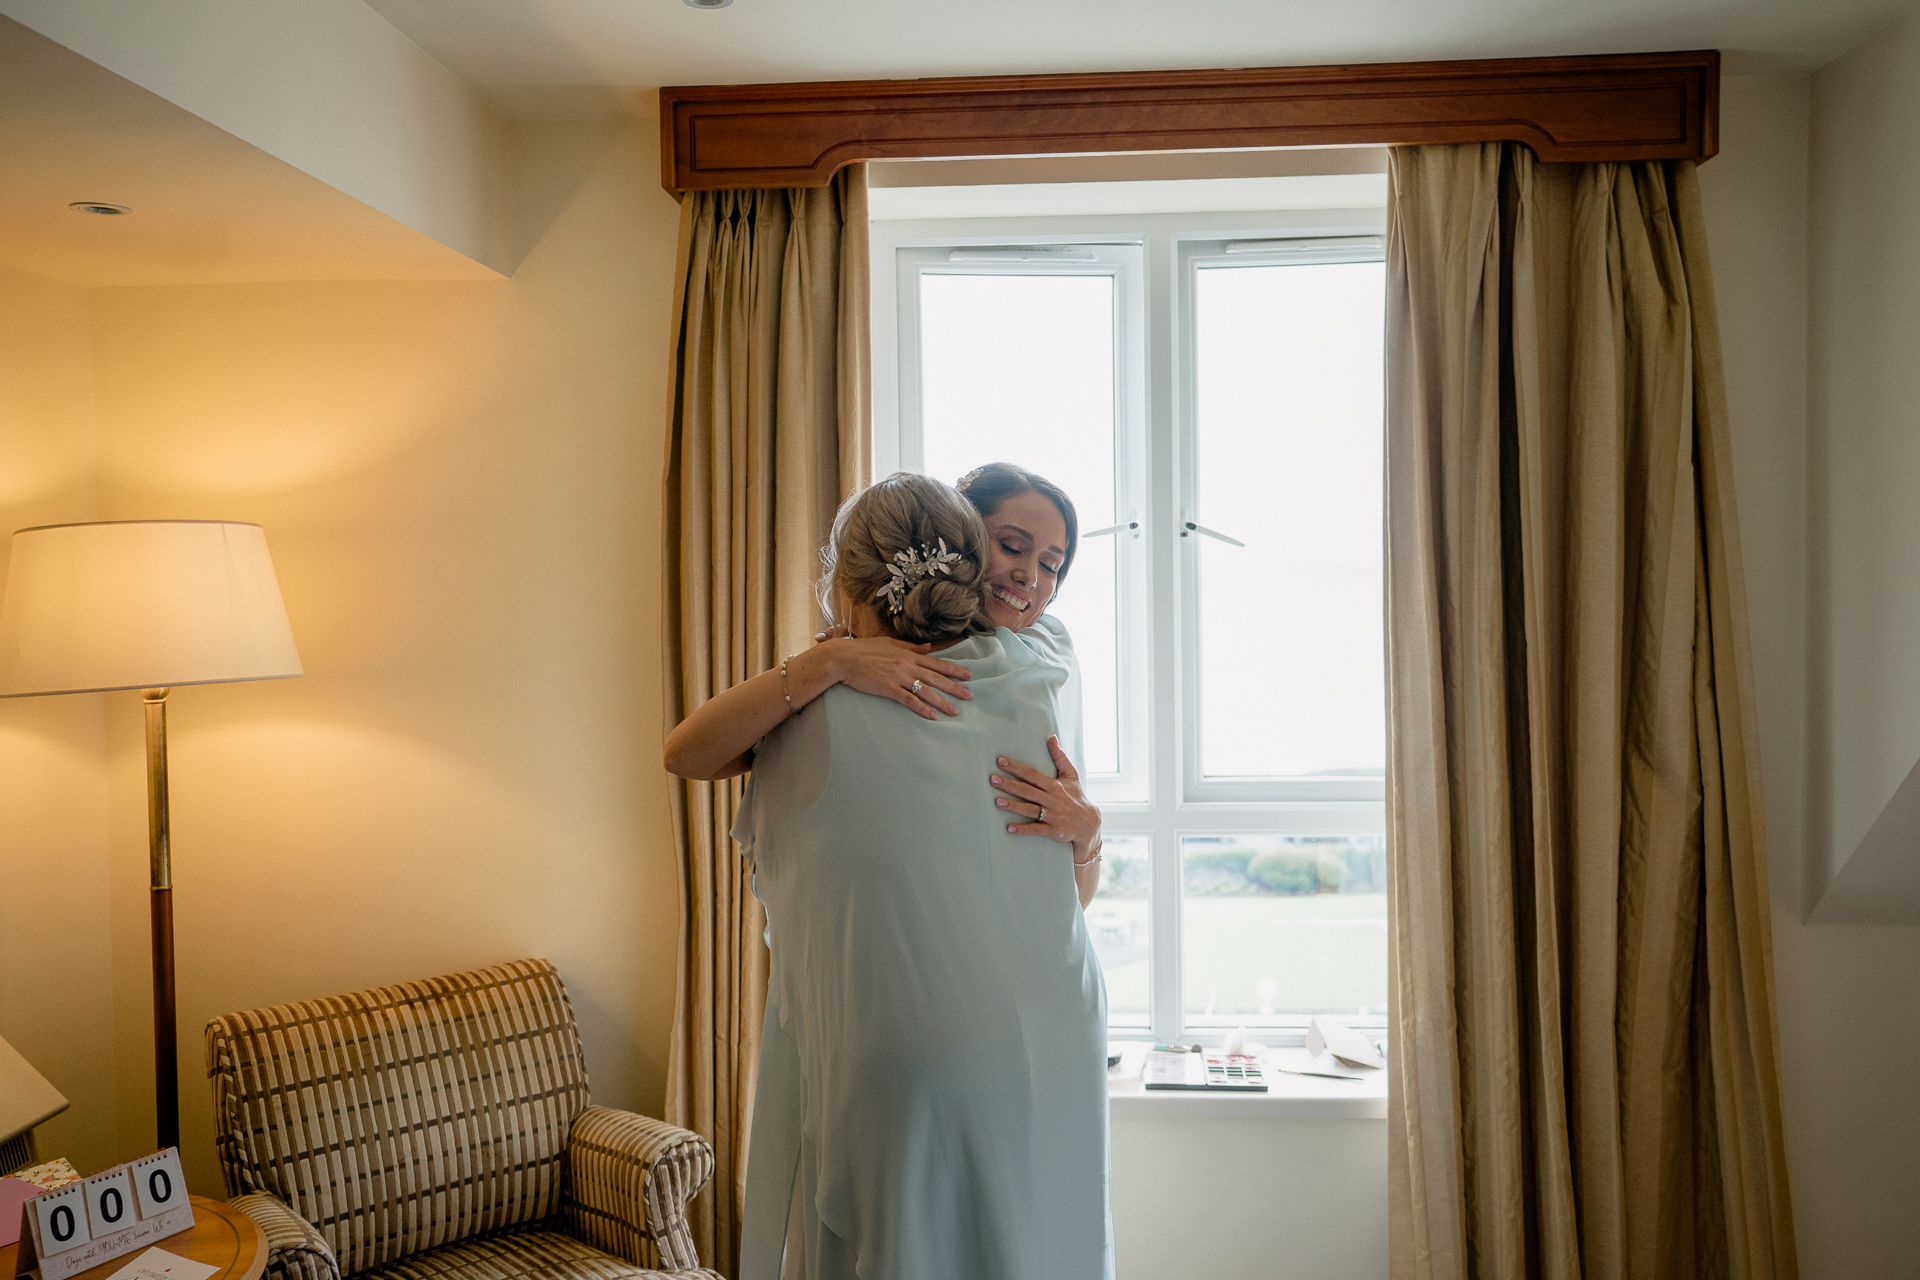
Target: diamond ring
{"points": [[916, 686]]}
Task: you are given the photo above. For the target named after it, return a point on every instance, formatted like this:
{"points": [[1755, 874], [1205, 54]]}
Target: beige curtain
{"points": [[767, 431], [1585, 1055]]}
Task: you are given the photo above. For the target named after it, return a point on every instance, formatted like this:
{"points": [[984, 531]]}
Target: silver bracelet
{"points": [[1097, 855]]}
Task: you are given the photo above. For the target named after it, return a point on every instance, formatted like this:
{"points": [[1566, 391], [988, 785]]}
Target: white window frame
{"points": [[1155, 562]]}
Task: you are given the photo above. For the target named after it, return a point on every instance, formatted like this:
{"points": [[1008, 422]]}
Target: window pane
{"points": [[1289, 442], [1120, 922], [1019, 368], [1275, 925]]}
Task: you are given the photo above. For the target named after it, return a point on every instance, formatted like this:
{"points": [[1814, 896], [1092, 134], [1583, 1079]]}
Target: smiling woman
{"points": [[1033, 532]]}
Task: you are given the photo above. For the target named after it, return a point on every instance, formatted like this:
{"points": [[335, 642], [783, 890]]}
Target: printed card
{"points": [[158, 1264], [51, 1176]]}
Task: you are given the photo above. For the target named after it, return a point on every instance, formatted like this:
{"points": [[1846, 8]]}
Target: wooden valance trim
{"points": [[1650, 106]]}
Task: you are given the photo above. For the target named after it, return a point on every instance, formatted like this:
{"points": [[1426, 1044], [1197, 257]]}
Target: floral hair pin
{"points": [[909, 567]]}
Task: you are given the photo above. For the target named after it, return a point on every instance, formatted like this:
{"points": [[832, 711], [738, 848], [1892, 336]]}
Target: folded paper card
{"points": [[1343, 1042], [1299, 1062], [158, 1264], [13, 1193]]}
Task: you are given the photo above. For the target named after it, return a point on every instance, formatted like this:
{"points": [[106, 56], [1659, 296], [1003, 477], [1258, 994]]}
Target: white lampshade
{"points": [[141, 604]]}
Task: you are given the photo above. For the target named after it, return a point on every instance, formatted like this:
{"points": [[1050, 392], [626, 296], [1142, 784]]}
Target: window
{"points": [[1210, 394]]}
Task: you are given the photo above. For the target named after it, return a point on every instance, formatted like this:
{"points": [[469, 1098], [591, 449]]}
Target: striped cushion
{"points": [[526, 1255], [407, 1117]]}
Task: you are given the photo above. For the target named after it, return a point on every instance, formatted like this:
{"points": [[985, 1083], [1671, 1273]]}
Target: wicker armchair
{"points": [[441, 1130]]}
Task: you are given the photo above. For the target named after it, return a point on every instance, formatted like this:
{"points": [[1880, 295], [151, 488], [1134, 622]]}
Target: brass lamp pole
{"points": [[148, 605], [166, 1023]]}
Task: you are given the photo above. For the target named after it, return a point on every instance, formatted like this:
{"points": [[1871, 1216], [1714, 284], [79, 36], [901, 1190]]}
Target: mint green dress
{"points": [[933, 1073]]}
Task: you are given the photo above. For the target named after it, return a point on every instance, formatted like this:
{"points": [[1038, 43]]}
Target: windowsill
{"points": [[1288, 1097]]}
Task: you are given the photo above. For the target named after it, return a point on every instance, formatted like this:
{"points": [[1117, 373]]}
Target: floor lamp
{"points": [[147, 605]]}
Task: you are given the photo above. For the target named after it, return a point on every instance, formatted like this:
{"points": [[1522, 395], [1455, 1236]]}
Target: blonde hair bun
{"points": [[938, 607], [914, 515]]}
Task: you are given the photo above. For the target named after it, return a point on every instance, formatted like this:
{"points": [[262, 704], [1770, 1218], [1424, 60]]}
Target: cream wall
{"points": [[1866, 413], [460, 486], [1848, 995], [56, 944]]}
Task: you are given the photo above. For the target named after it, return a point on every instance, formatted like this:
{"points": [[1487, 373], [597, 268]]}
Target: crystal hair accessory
{"points": [[909, 567], [969, 478]]}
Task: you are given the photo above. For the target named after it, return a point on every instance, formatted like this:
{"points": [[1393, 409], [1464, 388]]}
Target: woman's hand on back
{"points": [[1056, 807], [889, 668]]}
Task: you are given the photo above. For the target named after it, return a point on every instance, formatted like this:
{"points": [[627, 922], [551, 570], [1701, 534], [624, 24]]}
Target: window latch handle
{"points": [[1132, 526], [1188, 526]]}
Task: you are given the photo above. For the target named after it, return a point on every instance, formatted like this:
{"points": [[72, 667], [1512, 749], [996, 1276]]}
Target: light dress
{"points": [[933, 1069]]}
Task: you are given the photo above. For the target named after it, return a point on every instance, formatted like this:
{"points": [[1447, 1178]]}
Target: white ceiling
{"points": [[557, 58]]}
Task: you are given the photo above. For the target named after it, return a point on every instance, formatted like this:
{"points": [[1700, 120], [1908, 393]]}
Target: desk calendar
{"points": [[107, 1216]]}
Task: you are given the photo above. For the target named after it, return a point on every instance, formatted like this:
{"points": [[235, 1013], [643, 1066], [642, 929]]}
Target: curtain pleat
{"points": [[768, 431], [1585, 1053]]}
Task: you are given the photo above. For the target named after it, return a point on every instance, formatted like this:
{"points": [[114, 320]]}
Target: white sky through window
{"points": [[1019, 368], [1289, 443]]}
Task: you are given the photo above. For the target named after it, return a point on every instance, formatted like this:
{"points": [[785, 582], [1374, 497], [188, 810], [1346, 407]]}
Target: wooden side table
{"points": [[221, 1236]]}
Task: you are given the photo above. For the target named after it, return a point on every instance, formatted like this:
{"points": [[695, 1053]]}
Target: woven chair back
{"points": [[407, 1117]]}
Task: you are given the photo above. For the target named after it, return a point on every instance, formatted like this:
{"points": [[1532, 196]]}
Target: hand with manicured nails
{"points": [[889, 668], [1055, 807]]}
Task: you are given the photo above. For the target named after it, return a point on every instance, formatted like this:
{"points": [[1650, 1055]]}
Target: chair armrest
{"points": [[629, 1179], [295, 1248]]}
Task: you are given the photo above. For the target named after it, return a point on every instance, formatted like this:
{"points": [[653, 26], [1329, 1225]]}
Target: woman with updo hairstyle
{"points": [[932, 1097], [860, 560]]}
